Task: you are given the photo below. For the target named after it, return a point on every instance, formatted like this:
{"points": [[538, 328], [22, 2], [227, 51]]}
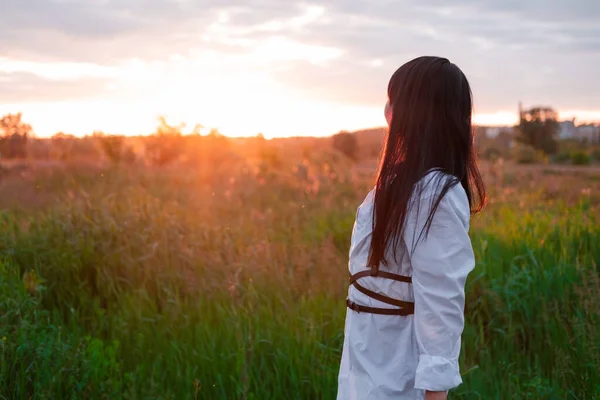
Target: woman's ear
{"points": [[388, 113]]}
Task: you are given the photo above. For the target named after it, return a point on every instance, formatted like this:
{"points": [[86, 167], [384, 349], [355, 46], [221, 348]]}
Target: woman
{"points": [[410, 252]]}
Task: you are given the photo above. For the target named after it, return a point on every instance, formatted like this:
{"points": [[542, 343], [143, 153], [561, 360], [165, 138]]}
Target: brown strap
{"points": [[382, 274], [381, 297], [408, 310]]}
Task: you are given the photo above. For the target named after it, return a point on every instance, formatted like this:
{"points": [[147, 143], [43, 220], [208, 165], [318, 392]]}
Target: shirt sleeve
{"points": [[441, 261]]}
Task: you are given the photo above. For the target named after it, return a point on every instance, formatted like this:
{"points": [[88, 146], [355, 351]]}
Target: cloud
{"points": [[23, 87], [110, 28], [535, 51], [105, 31], [338, 50]]}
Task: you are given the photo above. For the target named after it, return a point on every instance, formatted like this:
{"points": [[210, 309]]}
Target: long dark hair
{"points": [[430, 128]]}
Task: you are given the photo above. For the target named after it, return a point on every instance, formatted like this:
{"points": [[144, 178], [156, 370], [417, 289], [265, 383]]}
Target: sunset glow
{"points": [[299, 70]]}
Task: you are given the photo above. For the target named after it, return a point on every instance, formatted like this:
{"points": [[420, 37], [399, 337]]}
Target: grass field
{"points": [[174, 283]]}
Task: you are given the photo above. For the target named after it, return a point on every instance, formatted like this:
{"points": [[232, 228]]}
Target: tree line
{"points": [[536, 137]]}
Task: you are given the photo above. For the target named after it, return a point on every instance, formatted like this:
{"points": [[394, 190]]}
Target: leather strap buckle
{"points": [[374, 270]]}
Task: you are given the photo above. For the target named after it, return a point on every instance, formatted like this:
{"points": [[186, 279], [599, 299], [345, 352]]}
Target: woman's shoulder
{"points": [[432, 185]]}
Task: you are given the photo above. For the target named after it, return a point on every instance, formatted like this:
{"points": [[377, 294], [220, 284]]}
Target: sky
{"points": [[282, 67]]}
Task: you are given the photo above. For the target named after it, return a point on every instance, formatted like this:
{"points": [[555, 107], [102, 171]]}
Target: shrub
{"points": [[166, 145], [210, 152], [562, 158], [269, 156], [217, 148], [41, 359], [163, 149], [39, 149], [85, 148], [112, 146], [128, 155], [67, 147], [13, 136], [526, 155], [580, 158], [347, 144], [492, 154]]}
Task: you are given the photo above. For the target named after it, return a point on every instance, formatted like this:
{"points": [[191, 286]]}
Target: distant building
{"points": [[493, 131], [501, 136], [589, 132], [567, 129]]}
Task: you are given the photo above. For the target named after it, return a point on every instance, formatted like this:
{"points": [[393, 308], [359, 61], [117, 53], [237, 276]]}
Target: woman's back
{"points": [[411, 252], [399, 357]]}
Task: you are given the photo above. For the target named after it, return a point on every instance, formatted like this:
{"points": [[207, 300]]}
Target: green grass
{"points": [[145, 285]]}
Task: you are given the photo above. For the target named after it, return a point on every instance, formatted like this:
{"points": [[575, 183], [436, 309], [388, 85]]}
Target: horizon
{"points": [[283, 70], [563, 116]]}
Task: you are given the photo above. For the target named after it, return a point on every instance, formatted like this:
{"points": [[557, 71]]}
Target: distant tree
{"points": [[505, 139], [86, 148], [217, 148], [13, 136], [347, 144], [39, 149], [538, 127], [62, 146], [166, 144], [526, 155], [270, 156], [112, 146], [197, 129]]}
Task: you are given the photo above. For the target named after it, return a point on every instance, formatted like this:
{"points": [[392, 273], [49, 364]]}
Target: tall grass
{"points": [[230, 285]]}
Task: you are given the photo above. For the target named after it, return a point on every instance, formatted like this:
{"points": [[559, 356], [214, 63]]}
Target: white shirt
{"points": [[397, 357]]}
